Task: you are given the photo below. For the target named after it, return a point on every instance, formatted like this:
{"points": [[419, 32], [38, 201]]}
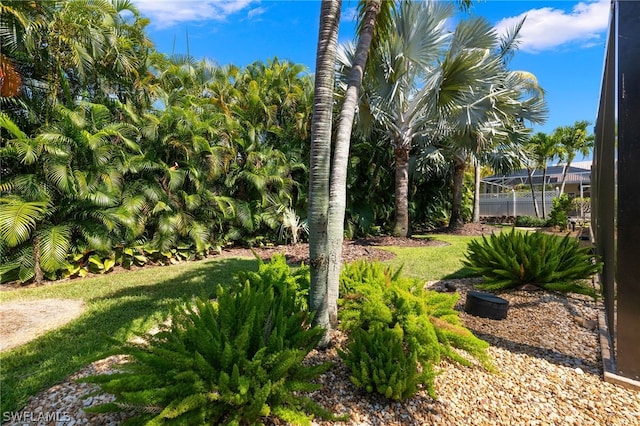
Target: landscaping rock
{"points": [[548, 373]]}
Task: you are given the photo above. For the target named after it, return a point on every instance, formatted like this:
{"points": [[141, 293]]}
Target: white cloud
{"points": [[166, 13], [548, 28], [254, 13]]}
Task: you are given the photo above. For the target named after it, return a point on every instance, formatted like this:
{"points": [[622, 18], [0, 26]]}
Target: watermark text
{"points": [[32, 417]]}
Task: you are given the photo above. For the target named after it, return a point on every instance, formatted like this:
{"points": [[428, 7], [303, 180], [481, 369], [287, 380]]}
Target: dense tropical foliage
{"points": [[115, 154], [109, 146]]}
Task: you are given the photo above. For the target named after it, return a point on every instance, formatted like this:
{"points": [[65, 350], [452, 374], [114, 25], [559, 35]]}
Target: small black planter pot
{"points": [[486, 305]]}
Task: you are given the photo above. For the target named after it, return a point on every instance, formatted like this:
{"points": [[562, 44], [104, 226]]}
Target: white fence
{"points": [[514, 204]]}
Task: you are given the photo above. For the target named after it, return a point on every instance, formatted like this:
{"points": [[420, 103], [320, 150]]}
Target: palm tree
{"points": [[368, 24], [70, 186], [321, 300], [26, 201], [264, 127], [572, 140], [21, 24], [530, 163], [419, 93], [396, 94], [64, 51], [543, 148], [487, 121], [329, 213], [373, 28]]}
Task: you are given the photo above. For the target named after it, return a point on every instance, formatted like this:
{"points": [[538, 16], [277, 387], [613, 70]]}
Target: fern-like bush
{"points": [[232, 361], [398, 331], [511, 259], [562, 205], [380, 362]]}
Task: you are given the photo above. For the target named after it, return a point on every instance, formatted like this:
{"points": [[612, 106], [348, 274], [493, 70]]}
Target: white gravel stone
{"points": [[546, 354]]}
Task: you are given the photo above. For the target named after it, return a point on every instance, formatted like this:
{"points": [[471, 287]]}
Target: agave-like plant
{"points": [[512, 259]]}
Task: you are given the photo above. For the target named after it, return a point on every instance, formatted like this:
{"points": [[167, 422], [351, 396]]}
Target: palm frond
{"points": [[59, 174], [510, 41], [18, 219], [473, 33], [54, 247], [199, 234], [7, 124]]}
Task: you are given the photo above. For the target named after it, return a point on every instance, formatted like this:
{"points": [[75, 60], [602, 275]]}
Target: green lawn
{"points": [[123, 304], [433, 262], [117, 305]]}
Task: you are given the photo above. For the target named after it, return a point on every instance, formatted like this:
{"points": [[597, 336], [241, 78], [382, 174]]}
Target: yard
{"points": [[546, 352]]}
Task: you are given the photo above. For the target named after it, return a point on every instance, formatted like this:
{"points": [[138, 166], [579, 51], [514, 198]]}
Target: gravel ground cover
{"points": [[546, 354]]}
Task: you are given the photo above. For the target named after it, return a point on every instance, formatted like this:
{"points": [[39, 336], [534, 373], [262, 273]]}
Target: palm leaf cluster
{"points": [[108, 145], [442, 99], [512, 259]]}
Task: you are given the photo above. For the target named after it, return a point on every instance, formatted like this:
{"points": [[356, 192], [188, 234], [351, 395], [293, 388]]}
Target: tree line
{"points": [[108, 146]]}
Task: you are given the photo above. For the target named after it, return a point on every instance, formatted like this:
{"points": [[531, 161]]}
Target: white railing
{"points": [[514, 204]]}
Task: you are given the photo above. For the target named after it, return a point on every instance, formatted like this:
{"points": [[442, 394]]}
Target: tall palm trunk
{"points": [[476, 194], [401, 153], [564, 175], [533, 192], [544, 190], [320, 301], [338, 190], [456, 220]]}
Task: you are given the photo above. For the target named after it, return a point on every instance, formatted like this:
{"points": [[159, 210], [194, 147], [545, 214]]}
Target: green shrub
{"points": [[511, 259], [232, 361], [379, 362], [530, 221], [380, 308], [562, 205]]}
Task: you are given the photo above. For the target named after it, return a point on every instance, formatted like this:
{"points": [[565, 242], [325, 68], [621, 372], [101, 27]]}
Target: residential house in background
{"points": [[510, 195]]}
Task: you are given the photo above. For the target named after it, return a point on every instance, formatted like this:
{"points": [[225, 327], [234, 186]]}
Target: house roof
{"points": [[553, 175]]}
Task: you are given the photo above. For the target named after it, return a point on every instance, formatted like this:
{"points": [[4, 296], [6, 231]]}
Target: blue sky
{"points": [[562, 41]]}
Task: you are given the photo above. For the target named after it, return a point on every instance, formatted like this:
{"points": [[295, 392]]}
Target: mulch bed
{"points": [[362, 248]]}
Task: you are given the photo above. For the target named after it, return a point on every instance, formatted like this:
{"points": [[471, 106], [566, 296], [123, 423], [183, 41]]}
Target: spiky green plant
{"points": [[511, 259], [232, 361], [379, 362], [380, 307]]}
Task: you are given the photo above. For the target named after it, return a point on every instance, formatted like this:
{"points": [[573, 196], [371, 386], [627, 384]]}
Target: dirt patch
{"points": [[21, 321], [469, 229], [364, 248]]}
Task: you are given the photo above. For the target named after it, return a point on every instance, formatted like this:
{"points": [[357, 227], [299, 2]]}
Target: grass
{"points": [[125, 304], [117, 305], [434, 262]]}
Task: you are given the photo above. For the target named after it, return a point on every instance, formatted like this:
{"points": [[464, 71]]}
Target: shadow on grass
{"points": [[463, 272], [50, 358]]}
